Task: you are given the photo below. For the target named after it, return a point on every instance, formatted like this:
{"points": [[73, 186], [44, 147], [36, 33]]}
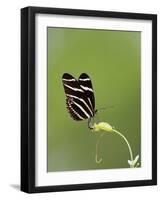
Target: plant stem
{"points": [[97, 144], [103, 126], [129, 147]]}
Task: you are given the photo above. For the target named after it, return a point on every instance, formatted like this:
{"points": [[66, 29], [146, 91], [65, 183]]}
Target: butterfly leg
{"points": [[90, 123]]}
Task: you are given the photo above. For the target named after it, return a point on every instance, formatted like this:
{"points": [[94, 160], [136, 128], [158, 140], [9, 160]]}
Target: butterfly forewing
{"points": [[86, 84], [77, 102]]}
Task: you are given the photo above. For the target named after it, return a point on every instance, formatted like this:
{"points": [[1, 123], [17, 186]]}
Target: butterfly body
{"points": [[80, 99]]}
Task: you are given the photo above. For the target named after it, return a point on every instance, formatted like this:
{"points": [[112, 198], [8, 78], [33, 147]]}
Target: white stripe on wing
{"points": [[64, 79], [82, 100], [72, 88], [90, 102], [84, 79], [81, 109], [86, 88], [75, 113]]}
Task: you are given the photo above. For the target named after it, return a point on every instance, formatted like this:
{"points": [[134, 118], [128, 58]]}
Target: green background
{"points": [[112, 60]]}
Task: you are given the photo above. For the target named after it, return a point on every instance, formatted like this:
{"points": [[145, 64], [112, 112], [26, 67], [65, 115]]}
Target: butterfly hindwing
{"points": [[76, 100]]}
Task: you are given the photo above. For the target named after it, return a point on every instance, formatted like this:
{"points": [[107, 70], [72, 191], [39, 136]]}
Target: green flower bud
{"points": [[102, 126]]}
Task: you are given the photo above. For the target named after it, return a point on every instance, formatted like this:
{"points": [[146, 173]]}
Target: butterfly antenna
{"points": [[105, 108]]}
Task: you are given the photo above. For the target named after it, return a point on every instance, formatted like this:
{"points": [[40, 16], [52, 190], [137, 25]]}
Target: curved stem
{"points": [[129, 147], [97, 144]]}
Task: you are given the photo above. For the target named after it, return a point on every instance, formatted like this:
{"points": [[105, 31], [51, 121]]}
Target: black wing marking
{"points": [[76, 100], [86, 84]]}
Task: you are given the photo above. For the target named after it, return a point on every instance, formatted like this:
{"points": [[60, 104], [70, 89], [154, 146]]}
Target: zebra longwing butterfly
{"points": [[80, 99]]}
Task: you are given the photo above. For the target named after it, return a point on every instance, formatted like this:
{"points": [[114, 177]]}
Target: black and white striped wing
{"points": [[86, 84], [76, 100]]}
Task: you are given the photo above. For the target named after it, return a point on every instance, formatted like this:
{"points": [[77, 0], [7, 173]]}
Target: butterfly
{"points": [[80, 100]]}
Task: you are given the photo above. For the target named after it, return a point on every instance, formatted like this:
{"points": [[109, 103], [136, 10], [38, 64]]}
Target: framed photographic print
{"points": [[88, 99]]}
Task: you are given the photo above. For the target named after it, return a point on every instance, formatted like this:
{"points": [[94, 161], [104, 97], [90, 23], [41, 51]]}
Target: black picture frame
{"points": [[28, 98]]}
